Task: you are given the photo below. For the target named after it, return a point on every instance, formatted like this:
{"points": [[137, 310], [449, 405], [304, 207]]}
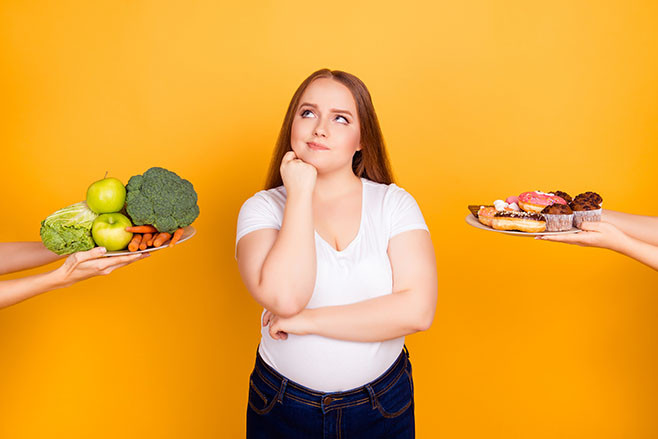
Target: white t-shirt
{"points": [[359, 272]]}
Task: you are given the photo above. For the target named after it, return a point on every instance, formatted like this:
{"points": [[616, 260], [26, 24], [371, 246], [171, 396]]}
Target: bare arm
{"points": [[278, 267], [642, 252], [640, 227], [18, 256], [410, 308], [77, 267], [606, 235]]}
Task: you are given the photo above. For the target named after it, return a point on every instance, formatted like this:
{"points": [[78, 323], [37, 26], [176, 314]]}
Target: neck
{"points": [[335, 184]]}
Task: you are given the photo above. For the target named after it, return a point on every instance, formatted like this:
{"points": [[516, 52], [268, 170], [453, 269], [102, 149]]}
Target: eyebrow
{"points": [[335, 110]]}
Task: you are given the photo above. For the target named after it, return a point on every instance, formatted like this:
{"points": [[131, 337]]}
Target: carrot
{"points": [[134, 243], [144, 244], [161, 239], [141, 229], [149, 243], [177, 234]]}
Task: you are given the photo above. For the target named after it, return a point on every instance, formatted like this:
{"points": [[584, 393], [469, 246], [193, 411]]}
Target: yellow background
{"points": [[477, 100]]}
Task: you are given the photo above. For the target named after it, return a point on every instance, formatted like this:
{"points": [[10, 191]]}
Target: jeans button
{"points": [[327, 400]]}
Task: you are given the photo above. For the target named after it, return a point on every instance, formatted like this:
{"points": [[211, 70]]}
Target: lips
{"points": [[316, 146]]}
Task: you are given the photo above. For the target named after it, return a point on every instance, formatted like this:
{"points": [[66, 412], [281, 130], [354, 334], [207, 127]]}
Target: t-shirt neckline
{"points": [[358, 233]]}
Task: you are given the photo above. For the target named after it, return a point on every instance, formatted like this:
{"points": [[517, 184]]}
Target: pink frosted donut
{"points": [[512, 199], [536, 201]]}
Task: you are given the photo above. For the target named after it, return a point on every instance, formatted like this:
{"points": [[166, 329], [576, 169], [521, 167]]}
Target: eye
{"points": [[305, 113], [342, 119]]}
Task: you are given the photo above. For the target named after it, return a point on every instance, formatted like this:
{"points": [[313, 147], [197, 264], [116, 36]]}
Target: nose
{"points": [[320, 128]]}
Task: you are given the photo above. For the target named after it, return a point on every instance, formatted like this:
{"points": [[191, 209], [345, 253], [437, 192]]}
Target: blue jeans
{"points": [[280, 408]]}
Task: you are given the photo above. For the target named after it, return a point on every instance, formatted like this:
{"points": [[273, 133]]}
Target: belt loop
{"points": [[279, 396], [406, 351], [372, 396]]}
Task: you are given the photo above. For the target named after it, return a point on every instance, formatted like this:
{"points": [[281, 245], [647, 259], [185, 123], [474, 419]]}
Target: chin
{"points": [[317, 164]]}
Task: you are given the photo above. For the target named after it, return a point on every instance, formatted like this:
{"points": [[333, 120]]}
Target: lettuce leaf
{"points": [[69, 229]]}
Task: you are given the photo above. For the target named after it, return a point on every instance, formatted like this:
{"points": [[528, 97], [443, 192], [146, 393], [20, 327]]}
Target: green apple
{"points": [[109, 231], [106, 196]]}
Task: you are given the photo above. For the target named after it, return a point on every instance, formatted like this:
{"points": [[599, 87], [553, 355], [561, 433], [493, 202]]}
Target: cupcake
{"points": [[559, 217], [565, 196], [585, 210], [592, 197]]}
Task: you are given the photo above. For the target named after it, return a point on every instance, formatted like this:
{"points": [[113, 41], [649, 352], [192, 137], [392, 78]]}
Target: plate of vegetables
{"points": [[153, 211]]}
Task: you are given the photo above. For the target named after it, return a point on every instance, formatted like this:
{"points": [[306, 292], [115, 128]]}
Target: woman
{"points": [[342, 262], [635, 236], [18, 256]]}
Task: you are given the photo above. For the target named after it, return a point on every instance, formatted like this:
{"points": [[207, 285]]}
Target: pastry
{"points": [[523, 221], [536, 201], [585, 210], [559, 217]]}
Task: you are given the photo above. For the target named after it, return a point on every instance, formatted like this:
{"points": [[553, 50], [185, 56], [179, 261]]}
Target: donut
{"points": [[486, 214], [523, 221], [565, 196], [536, 201]]}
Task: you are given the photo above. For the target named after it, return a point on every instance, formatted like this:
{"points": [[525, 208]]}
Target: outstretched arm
{"points": [[640, 227], [77, 267], [606, 235], [18, 256]]}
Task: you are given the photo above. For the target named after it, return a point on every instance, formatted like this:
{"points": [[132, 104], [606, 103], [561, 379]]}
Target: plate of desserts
{"points": [[537, 213]]}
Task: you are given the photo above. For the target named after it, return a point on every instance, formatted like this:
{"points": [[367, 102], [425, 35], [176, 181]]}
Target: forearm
{"points": [[17, 256], [288, 273], [641, 227], [640, 251], [378, 319], [17, 290]]}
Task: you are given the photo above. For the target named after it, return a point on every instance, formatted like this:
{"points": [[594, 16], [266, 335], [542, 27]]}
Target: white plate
{"points": [[188, 232], [471, 220]]}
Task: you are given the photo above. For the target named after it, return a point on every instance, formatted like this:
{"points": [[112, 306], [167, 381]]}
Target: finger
{"points": [[114, 266], [88, 255], [560, 238], [289, 156], [273, 332], [266, 318], [594, 226], [108, 265], [111, 268], [73, 260], [118, 260]]}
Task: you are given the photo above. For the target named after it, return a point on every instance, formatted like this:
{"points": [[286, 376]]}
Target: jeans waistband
{"points": [[332, 400]]}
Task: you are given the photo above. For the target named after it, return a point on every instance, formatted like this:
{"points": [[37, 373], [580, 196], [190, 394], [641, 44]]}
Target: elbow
{"points": [[283, 299], [287, 311], [423, 326], [287, 307], [423, 322]]}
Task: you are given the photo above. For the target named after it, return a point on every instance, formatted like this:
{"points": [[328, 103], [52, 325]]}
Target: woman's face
{"points": [[325, 129]]}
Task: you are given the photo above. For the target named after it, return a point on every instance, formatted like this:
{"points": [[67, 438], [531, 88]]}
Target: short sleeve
{"points": [[404, 212], [258, 212]]}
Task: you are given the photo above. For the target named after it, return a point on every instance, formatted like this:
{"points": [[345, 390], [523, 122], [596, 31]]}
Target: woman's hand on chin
{"points": [[297, 175]]}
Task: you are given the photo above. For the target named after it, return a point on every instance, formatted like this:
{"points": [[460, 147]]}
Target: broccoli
{"points": [[161, 198]]}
